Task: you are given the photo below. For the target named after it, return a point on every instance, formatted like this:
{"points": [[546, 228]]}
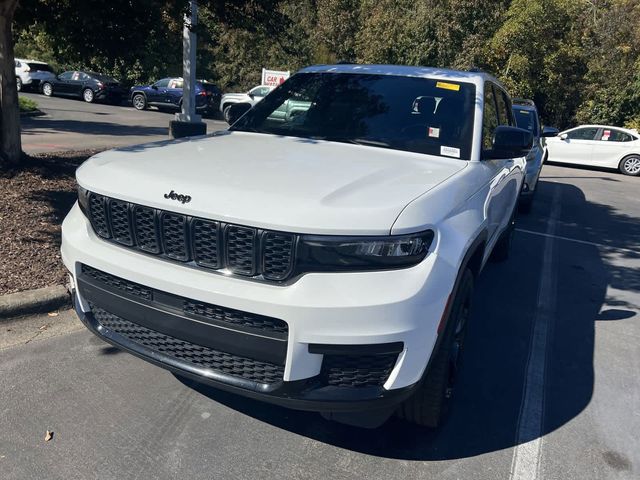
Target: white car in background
{"points": [[32, 73], [597, 146], [251, 97]]}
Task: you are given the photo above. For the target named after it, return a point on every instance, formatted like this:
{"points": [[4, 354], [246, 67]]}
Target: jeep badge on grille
{"points": [[175, 196]]}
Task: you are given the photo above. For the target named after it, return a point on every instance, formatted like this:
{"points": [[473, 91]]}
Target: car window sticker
{"points": [[450, 151]]}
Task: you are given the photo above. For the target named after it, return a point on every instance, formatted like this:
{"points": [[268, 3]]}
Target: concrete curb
{"points": [[33, 113], [34, 301]]}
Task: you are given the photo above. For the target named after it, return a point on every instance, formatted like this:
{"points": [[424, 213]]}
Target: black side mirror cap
{"points": [[509, 142], [236, 111], [550, 132]]}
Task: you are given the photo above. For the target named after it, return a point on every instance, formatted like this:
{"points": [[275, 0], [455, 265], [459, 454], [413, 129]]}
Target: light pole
{"points": [[188, 122]]}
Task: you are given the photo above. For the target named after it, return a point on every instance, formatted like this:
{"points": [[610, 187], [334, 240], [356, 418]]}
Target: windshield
{"points": [[40, 67], [526, 119], [103, 78], [404, 113]]}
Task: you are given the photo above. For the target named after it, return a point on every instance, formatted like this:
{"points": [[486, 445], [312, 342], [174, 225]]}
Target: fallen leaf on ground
{"points": [[53, 314], [43, 327], [48, 436]]}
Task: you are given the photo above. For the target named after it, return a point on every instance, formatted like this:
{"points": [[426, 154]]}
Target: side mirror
{"points": [[236, 111], [509, 142], [550, 132], [564, 136], [155, 87], [251, 95]]}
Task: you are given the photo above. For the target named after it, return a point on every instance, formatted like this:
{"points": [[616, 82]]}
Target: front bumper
{"points": [[354, 311]]}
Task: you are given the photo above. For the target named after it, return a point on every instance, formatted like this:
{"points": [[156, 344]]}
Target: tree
{"points": [[10, 146]]}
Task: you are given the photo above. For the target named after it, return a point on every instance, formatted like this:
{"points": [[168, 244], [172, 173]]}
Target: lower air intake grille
{"points": [[357, 370], [203, 357]]}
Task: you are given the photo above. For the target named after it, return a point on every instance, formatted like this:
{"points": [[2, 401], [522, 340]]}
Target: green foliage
{"points": [[27, 105], [578, 59]]}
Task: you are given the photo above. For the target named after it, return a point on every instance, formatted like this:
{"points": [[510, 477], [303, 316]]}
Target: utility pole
{"points": [[188, 122]]}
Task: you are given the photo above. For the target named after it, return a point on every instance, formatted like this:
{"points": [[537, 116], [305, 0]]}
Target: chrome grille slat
{"points": [[206, 244]]}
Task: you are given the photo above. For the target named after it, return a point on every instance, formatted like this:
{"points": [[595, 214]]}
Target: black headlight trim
{"points": [[321, 253]]}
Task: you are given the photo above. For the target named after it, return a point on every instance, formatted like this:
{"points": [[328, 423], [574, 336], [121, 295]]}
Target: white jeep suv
{"points": [[323, 262]]}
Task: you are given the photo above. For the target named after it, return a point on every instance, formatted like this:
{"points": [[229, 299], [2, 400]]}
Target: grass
{"points": [[27, 105]]}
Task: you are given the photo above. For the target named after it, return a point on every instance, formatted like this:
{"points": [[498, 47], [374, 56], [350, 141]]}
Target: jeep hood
{"points": [[267, 181]]}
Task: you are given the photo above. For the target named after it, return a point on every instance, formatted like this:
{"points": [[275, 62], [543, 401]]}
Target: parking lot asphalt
{"points": [[72, 124], [549, 387]]}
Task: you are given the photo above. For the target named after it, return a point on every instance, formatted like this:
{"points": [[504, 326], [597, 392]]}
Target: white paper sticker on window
{"points": [[434, 132], [450, 151]]}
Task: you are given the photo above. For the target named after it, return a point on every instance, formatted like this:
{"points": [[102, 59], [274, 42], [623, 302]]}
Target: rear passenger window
{"points": [[503, 107], [489, 117], [611, 135]]}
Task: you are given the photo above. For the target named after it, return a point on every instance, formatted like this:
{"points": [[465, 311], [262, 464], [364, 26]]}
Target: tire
{"points": [[88, 95], [630, 165], [47, 89], [526, 203], [139, 101], [429, 405], [502, 248], [18, 84], [225, 113]]}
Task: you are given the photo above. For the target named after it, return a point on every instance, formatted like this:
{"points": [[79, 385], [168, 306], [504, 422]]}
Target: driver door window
{"points": [[582, 134]]}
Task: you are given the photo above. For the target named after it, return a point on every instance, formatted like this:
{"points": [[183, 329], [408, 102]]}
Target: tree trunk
{"points": [[10, 146]]}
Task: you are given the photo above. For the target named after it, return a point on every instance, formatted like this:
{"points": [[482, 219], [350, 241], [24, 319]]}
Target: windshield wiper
{"points": [[356, 141]]}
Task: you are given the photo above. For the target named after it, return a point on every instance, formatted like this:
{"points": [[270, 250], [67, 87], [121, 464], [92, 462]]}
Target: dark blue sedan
{"points": [[166, 94]]}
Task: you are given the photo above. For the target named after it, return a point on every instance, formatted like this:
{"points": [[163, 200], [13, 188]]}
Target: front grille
{"points": [[254, 323], [357, 370], [118, 283], [201, 243], [203, 357]]}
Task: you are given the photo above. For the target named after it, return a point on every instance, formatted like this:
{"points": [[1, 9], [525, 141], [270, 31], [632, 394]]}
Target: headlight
{"points": [[318, 253], [83, 200]]}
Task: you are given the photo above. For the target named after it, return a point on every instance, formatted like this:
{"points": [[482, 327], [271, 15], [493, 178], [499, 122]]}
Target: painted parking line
{"points": [[525, 464], [575, 240]]}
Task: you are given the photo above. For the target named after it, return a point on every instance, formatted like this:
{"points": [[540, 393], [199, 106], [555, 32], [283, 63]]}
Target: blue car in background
{"points": [[166, 94]]}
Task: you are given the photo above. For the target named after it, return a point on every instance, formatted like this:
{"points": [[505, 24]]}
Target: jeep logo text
{"points": [[175, 196]]}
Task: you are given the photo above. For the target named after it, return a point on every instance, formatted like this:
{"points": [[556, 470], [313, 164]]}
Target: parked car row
{"points": [[165, 94]]}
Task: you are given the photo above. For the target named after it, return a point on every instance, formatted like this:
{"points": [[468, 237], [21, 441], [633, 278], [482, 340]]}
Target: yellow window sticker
{"points": [[448, 86]]}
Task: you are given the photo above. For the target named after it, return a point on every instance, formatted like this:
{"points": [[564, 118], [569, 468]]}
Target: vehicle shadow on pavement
{"points": [[41, 125], [484, 413]]}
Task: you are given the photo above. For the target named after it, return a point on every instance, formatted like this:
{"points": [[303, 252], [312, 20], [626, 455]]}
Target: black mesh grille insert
{"points": [[205, 243], [97, 210], [204, 357], [118, 283], [174, 234], [357, 370], [120, 222], [146, 229], [267, 326], [241, 254], [277, 255], [235, 317], [201, 243]]}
